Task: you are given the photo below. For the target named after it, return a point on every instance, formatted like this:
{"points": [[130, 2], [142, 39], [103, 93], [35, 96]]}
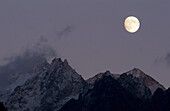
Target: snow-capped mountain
{"points": [[49, 89], [133, 75], [108, 94], [16, 72], [14, 81], [151, 83], [52, 85], [129, 82]]}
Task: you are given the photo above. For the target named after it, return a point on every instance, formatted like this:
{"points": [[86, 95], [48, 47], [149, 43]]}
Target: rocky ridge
{"points": [[109, 94], [49, 89], [52, 85]]}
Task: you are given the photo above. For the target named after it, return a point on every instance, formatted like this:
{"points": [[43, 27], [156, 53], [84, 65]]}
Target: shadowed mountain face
{"points": [[108, 94], [133, 76], [161, 100], [134, 86], [147, 80]]}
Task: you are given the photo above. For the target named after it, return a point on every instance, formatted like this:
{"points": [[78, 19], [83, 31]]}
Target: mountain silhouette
{"points": [[56, 86]]}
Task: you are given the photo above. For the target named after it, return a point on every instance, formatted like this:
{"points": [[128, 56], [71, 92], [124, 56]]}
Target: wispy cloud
{"points": [[167, 58], [65, 31], [26, 61]]}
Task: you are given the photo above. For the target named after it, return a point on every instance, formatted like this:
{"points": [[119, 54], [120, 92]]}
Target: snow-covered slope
{"points": [[48, 90], [17, 80], [16, 72]]}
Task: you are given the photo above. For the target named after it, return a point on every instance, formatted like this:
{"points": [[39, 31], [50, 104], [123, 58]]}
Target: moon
{"points": [[132, 24]]}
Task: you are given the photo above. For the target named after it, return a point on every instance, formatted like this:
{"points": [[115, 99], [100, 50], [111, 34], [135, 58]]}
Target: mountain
{"points": [[106, 95], [57, 86], [135, 75], [161, 100], [16, 73], [134, 86], [53, 85], [151, 83], [98, 76], [17, 66], [109, 95], [95, 78], [14, 81]]}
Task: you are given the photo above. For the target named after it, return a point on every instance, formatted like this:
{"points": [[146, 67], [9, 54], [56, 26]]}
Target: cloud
{"points": [[65, 31], [42, 48], [167, 58], [26, 61]]}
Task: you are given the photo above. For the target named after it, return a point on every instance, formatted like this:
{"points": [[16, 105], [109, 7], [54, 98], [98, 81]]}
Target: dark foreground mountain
{"points": [[161, 100], [108, 95], [134, 76], [134, 86]]}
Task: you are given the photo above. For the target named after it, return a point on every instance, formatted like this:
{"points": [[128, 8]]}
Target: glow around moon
{"points": [[131, 24]]}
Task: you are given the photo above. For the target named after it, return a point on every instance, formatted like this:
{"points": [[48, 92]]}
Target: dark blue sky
{"points": [[90, 33]]}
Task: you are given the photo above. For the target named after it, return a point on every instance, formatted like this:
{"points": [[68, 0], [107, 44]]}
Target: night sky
{"points": [[90, 34]]}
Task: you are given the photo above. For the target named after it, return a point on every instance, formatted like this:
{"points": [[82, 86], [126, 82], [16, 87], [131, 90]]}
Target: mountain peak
{"points": [[56, 61], [106, 73], [55, 64], [136, 72], [49, 89], [97, 77], [65, 62], [146, 79]]}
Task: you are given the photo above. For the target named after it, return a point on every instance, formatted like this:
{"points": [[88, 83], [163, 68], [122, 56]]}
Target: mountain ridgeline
{"points": [[58, 87]]}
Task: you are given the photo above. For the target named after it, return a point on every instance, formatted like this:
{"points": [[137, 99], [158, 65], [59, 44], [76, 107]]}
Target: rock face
{"points": [[161, 100], [151, 83], [52, 87], [134, 86], [106, 95], [99, 76], [134, 79], [17, 75], [132, 82], [95, 78]]}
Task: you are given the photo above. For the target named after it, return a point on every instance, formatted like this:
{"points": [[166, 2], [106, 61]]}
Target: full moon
{"points": [[131, 24]]}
